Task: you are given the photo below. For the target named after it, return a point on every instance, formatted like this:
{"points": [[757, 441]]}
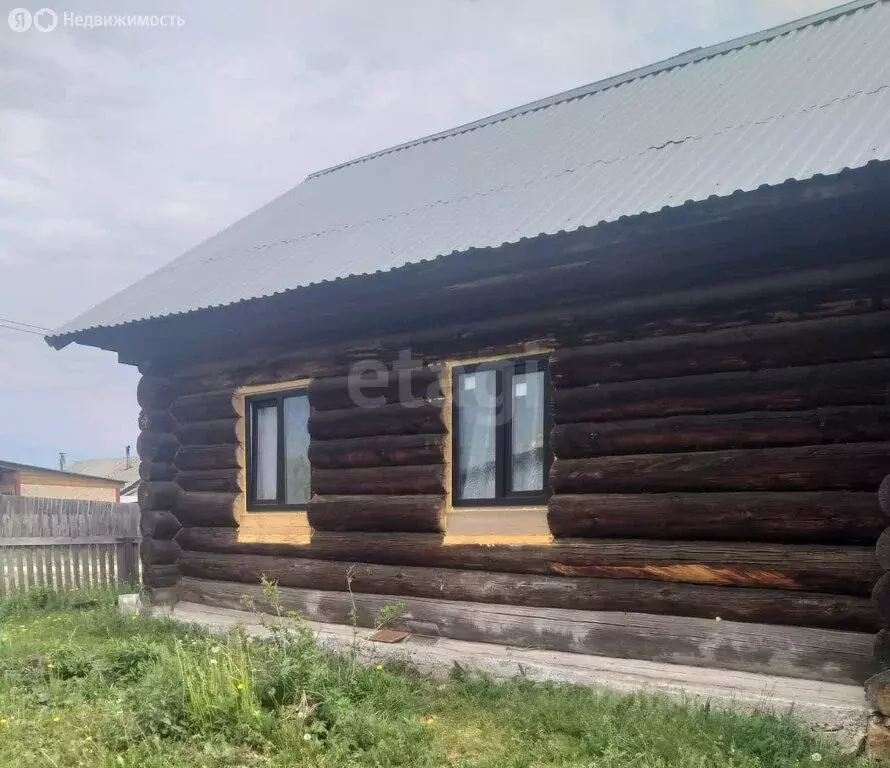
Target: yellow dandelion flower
{"points": [[3, 721], [51, 666], [379, 667], [57, 719], [240, 686]]}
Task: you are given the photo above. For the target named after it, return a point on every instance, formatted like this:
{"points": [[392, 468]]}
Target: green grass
{"points": [[81, 685]]}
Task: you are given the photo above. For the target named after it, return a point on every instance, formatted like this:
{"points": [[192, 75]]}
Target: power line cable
{"points": [[26, 325], [21, 330]]}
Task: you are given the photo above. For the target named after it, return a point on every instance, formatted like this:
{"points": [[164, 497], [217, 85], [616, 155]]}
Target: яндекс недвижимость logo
{"points": [[44, 20]]}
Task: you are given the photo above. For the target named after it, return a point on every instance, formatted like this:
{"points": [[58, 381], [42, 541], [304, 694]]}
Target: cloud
{"points": [[122, 147]]}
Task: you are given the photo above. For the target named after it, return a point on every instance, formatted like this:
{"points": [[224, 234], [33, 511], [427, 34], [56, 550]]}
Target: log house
{"points": [[642, 413]]}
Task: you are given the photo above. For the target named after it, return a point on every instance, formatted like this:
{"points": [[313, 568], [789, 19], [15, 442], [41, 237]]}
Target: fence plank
{"points": [[67, 543], [46, 557], [10, 559], [131, 563], [28, 559], [20, 570], [75, 567], [100, 557], [39, 568], [4, 572], [88, 581]]}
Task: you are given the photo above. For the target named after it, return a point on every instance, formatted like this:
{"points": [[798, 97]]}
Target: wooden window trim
{"points": [[251, 403], [505, 370]]}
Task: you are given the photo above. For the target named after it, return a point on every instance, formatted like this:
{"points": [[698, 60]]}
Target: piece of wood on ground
{"points": [[389, 636]]}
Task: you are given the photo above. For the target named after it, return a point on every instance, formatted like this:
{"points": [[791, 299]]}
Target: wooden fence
{"points": [[65, 544]]}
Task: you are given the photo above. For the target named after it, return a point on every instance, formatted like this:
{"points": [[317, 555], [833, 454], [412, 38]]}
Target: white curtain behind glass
{"points": [[476, 431], [296, 450], [266, 453], [528, 431]]}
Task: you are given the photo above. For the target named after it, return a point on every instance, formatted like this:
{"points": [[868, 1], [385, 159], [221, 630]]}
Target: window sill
{"points": [[274, 527], [493, 526]]}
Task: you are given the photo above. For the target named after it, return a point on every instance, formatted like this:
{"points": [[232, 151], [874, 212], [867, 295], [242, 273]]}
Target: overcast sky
{"points": [[121, 148]]}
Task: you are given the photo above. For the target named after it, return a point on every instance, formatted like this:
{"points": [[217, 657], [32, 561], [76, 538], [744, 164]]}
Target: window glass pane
{"points": [[528, 432], [296, 450], [266, 459], [477, 399]]}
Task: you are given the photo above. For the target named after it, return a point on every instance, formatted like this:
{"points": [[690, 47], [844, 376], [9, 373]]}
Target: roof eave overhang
{"points": [[474, 264]]}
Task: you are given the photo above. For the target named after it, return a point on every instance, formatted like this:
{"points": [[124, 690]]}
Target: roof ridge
{"points": [[690, 56]]}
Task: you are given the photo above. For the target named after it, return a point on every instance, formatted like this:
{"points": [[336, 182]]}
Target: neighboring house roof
{"points": [[114, 469], [806, 98], [11, 466]]}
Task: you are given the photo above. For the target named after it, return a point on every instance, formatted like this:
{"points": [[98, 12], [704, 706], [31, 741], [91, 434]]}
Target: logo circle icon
{"points": [[46, 20], [20, 19]]}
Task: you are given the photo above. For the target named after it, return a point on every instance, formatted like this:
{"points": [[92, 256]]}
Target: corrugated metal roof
{"points": [[807, 98], [16, 467], [122, 470]]}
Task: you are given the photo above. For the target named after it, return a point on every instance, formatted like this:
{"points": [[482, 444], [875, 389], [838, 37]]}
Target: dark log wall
{"points": [[377, 451], [770, 432], [649, 442], [208, 462], [716, 454], [157, 446], [881, 592]]}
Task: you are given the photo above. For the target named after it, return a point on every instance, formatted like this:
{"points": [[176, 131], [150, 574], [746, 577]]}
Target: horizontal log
{"points": [[750, 348], [158, 524], [882, 549], [160, 494], [206, 509], [159, 551], [855, 423], [421, 514], [160, 576], [149, 470], [834, 569], [811, 292], [157, 446], [827, 516], [880, 597], [799, 652], [851, 466], [154, 393], [881, 648], [210, 480], [884, 495], [159, 597], [831, 569], [216, 432], [388, 481], [423, 418], [205, 406], [858, 383], [156, 421], [65, 541], [378, 386], [770, 606], [207, 457], [379, 451]]}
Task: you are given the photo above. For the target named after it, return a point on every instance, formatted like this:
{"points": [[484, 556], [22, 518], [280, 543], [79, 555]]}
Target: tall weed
{"points": [[219, 683]]}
